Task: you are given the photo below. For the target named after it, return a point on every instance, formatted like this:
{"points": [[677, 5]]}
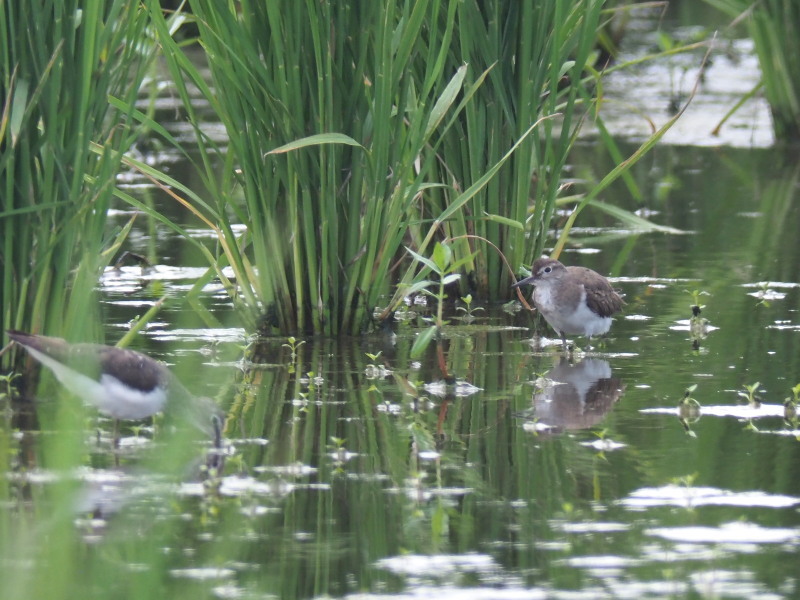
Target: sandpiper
{"points": [[573, 300], [123, 384]]}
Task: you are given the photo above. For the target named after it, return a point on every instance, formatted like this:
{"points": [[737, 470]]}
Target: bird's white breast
{"points": [[109, 395], [123, 402], [569, 315]]}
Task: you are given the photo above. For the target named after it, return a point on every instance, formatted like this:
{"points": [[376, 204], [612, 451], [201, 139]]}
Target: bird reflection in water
{"points": [[574, 396]]}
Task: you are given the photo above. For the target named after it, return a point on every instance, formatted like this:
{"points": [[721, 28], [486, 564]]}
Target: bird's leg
{"points": [[115, 443], [215, 459], [216, 422], [564, 345]]}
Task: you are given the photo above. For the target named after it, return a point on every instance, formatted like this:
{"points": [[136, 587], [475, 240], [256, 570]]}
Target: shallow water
{"points": [[353, 471], [351, 474]]}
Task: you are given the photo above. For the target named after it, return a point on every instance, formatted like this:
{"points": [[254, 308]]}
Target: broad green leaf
{"points": [[423, 340], [18, 108], [451, 278], [445, 101], [425, 261], [442, 256], [316, 140], [463, 261], [566, 68], [505, 221], [417, 286]]}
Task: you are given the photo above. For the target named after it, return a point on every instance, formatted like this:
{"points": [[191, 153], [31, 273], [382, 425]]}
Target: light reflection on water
{"points": [[547, 479], [458, 494]]}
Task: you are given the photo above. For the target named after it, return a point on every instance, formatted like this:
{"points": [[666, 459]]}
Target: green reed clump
{"points": [[60, 144], [773, 26], [359, 127], [70, 72], [535, 54]]}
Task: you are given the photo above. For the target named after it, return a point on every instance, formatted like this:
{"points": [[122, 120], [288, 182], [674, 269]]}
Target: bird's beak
{"points": [[525, 281]]}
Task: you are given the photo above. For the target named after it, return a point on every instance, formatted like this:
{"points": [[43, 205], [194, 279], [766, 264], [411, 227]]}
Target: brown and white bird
{"points": [[123, 384], [573, 300]]}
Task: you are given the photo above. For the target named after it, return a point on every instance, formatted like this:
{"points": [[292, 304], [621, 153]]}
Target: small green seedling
{"points": [[442, 264], [696, 307], [766, 294], [795, 399], [687, 400], [468, 310], [6, 381], [686, 481], [293, 344], [750, 395]]}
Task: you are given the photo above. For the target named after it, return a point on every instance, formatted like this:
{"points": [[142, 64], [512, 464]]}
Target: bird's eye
{"points": [[548, 269]]}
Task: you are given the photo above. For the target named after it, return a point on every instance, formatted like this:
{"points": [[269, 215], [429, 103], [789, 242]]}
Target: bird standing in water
{"points": [[573, 300], [123, 384]]}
